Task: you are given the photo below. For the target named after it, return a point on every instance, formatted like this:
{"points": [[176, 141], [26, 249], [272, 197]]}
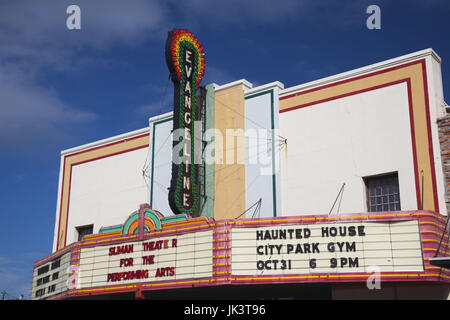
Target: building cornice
{"points": [[361, 71], [98, 143]]}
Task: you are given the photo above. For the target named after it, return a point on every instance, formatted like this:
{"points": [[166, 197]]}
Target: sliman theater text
{"points": [[148, 248]]}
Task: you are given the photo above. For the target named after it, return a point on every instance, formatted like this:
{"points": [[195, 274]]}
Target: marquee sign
{"points": [[156, 259], [153, 252], [51, 277], [327, 248], [186, 62]]}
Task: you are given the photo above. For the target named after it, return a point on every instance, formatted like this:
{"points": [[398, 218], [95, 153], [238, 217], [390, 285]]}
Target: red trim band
{"points": [[85, 161]]}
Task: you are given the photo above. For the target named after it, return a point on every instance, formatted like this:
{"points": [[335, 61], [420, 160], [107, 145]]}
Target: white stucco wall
{"points": [[345, 140], [105, 192]]}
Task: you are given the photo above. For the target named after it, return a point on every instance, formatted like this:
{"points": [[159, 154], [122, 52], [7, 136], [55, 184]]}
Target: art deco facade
{"points": [[329, 183]]}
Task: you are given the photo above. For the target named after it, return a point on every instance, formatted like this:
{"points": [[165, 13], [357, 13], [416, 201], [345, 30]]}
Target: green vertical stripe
{"points": [[208, 207], [273, 156]]}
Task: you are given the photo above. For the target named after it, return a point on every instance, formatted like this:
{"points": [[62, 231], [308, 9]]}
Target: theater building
{"points": [[332, 189]]}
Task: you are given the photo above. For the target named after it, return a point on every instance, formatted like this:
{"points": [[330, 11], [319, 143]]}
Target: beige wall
{"points": [[229, 201]]}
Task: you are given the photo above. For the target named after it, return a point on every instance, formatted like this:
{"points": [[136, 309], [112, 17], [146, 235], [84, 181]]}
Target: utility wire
{"points": [[240, 193], [161, 104], [257, 203], [342, 188], [225, 166], [442, 237], [257, 211], [281, 143], [10, 297], [163, 144], [254, 122]]}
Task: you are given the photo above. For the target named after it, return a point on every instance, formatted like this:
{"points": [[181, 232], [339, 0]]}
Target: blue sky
{"points": [[61, 88]]}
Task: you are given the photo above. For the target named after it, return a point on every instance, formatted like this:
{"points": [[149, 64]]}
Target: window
{"points": [[383, 193], [40, 292], [56, 264], [46, 279], [52, 288], [42, 270], [84, 231]]}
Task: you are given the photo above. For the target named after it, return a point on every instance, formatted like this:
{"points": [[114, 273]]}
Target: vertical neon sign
{"points": [[186, 62]]}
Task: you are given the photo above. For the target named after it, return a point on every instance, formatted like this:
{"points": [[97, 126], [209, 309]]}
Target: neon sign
{"points": [[186, 62]]}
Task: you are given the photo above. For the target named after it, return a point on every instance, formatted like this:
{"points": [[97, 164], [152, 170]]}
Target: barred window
{"points": [[383, 193]]}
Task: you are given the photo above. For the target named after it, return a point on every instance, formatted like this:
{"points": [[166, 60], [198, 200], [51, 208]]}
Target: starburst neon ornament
{"points": [[176, 42]]}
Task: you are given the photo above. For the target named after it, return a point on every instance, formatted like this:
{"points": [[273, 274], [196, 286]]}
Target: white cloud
{"points": [[28, 112], [16, 273], [218, 76], [163, 102], [38, 30], [249, 11], [163, 95], [237, 14], [34, 39], [151, 109]]}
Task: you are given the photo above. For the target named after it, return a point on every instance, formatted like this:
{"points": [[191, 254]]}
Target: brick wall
{"points": [[444, 139]]}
